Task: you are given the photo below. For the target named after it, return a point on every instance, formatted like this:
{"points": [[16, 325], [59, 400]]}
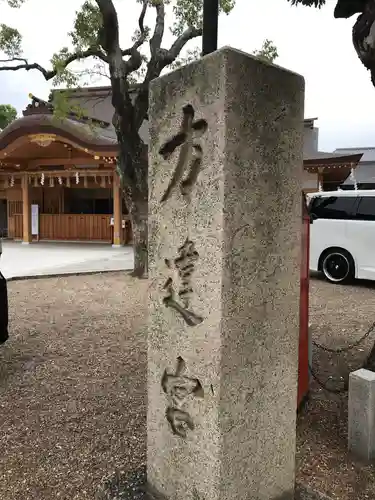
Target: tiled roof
{"points": [[363, 174], [368, 153], [81, 133], [320, 155]]}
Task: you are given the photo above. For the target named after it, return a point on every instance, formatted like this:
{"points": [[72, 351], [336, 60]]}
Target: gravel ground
{"points": [[339, 315], [72, 382], [72, 385]]}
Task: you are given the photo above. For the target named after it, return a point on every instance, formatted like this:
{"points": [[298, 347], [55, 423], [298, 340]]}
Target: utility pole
{"points": [[210, 26]]}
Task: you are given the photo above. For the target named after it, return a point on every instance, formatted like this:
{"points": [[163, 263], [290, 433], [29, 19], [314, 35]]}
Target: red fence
{"points": [[303, 358]]}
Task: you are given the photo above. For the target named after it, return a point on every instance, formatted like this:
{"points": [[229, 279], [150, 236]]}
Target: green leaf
{"points": [[7, 115], [87, 25], [64, 104], [64, 75], [10, 41], [268, 52], [189, 13], [190, 56], [14, 4], [11, 38], [308, 3]]}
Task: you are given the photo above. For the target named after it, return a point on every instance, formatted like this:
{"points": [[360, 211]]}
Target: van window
{"points": [[333, 207], [366, 208]]}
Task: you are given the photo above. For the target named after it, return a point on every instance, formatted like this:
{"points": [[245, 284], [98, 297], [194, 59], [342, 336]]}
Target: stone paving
{"points": [[40, 259]]}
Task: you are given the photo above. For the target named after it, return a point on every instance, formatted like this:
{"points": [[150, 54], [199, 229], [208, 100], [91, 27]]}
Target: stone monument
{"points": [[361, 418], [224, 266]]}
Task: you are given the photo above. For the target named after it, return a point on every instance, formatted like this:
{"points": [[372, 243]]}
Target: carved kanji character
{"points": [[185, 264], [178, 388], [190, 155]]}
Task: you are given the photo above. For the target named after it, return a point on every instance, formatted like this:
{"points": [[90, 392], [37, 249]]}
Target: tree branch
{"points": [[135, 60], [26, 66], [110, 30], [157, 38], [175, 50], [90, 52], [110, 38], [143, 33], [141, 25], [123, 120], [158, 62], [49, 74], [14, 59], [119, 70]]}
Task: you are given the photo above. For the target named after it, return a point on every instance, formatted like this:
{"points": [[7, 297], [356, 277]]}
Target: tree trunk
{"points": [[135, 190], [370, 360], [133, 157], [140, 241]]}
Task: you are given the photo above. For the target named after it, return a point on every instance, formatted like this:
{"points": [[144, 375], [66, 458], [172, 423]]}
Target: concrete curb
{"points": [[63, 275]]}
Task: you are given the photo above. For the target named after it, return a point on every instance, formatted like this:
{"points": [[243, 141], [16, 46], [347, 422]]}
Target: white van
{"points": [[342, 234]]}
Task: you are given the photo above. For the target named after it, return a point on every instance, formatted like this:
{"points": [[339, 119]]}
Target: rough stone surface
{"points": [[244, 218], [361, 414]]}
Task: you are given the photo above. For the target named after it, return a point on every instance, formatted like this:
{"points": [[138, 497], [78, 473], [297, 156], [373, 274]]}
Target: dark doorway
{"points": [[3, 219]]}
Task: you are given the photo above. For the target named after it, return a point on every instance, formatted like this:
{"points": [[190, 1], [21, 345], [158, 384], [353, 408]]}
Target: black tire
{"points": [[337, 266]]}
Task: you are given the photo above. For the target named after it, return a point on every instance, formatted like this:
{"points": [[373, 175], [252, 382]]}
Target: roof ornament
{"points": [[40, 107], [37, 107]]}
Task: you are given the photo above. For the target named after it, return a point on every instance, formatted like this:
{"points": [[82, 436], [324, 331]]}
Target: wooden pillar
{"points": [[26, 210], [117, 211]]}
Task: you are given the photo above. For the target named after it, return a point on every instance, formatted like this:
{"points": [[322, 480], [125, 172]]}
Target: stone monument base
{"points": [[135, 487]]}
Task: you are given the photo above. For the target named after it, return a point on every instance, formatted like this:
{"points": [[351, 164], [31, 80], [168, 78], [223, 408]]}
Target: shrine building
{"points": [[58, 179], [324, 171]]}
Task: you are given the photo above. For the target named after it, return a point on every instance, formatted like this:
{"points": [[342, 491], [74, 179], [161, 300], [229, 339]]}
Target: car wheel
{"points": [[337, 266]]}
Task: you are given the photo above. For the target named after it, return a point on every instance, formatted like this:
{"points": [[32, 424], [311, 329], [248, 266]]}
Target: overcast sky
{"points": [[311, 42]]}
